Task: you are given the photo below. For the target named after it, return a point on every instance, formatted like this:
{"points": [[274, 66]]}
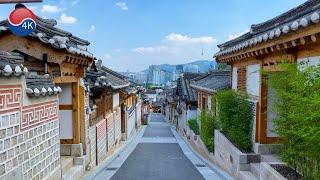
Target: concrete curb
{"points": [[213, 167], [98, 169]]}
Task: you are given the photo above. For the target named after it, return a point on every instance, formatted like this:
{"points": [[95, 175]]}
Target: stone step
{"points": [[246, 175], [74, 173], [270, 158], [255, 169], [66, 163]]}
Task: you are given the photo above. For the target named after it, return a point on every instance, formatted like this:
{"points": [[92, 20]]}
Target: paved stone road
{"points": [[158, 154]]}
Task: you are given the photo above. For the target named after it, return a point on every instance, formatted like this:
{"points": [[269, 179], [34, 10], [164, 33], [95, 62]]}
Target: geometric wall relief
{"points": [[10, 98], [32, 115], [37, 114]]}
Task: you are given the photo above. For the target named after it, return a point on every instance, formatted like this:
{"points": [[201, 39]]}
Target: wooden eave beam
{"points": [[311, 31]]}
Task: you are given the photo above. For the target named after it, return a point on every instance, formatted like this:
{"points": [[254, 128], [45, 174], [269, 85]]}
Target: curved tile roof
{"points": [[105, 77], [41, 85], [11, 64], [212, 82], [47, 33], [302, 16]]}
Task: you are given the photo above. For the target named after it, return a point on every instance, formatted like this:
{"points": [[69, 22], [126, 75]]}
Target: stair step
{"points": [[270, 158], [246, 175], [255, 169], [73, 173], [66, 163]]}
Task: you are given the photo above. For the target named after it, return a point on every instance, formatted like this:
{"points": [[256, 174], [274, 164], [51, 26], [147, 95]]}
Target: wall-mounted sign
{"points": [[22, 21], [18, 1]]}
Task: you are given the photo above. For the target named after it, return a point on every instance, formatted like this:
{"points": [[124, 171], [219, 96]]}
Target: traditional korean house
{"points": [[29, 121], [130, 111], [104, 86], [292, 37], [170, 104], [56, 53], [207, 86], [188, 100]]}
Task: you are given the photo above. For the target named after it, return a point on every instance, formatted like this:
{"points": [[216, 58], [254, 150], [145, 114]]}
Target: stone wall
{"points": [[228, 156], [29, 134]]}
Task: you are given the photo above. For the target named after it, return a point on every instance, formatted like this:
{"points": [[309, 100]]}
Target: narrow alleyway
{"points": [[160, 153]]}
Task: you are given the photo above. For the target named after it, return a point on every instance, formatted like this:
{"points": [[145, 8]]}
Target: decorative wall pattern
{"points": [[10, 98], [34, 115], [29, 137]]}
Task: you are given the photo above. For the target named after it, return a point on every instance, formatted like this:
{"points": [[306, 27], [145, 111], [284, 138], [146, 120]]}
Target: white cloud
{"points": [[65, 19], [92, 29], [3, 17], [184, 39], [107, 56], [150, 50], [47, 8], [74, 2], [233, 36], [122, 5], [34, 9]]}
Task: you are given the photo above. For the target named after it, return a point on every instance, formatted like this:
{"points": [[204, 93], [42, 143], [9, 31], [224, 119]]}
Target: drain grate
{"points": [[111, 169], [200, 165]]}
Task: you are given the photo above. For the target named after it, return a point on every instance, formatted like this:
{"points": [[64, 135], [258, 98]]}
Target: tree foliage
{"points": [[193, 124], [207, 130], [298, 117], [235, 118]]}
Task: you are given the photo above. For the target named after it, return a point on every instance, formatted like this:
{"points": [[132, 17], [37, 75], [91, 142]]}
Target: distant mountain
{"points": [[202, 65]]}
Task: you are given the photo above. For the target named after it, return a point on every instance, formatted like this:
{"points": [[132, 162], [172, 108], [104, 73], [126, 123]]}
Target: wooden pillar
{"points": [[262, 121], [75, 112], [82, 117]]}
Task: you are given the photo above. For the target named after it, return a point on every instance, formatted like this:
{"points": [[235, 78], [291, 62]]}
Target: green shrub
{"points": [[207, 130], [193, 124], [298, 117], [235, 118]]}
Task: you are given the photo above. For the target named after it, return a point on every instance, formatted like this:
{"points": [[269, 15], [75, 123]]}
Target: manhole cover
{"points": [[111, 169], [200, 165]]}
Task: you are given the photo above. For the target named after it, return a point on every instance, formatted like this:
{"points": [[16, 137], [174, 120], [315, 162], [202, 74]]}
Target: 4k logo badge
{"points": [[22, 21]]}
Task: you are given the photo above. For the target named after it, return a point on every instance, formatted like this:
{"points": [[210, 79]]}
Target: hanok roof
{"points": [[47, 33], [105, 77], [302, 16], [184, 90], [11, 64], [212, 82], [41, 85]]}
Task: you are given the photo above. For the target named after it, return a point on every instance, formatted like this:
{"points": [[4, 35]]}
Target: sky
{"points": [[130, 35]]}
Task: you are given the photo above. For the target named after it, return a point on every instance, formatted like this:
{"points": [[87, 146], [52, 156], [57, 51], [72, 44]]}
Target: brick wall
{"points": [[29, 135], [92, 146], [101, 146], [110, 131]]}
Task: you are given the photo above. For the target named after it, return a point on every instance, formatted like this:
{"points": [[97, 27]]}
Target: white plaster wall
{"points": [[253, 79], [131, 123], [116, 100], [209, 102], [234, 78], [310, 61], [65, 97], [66, 130]]}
